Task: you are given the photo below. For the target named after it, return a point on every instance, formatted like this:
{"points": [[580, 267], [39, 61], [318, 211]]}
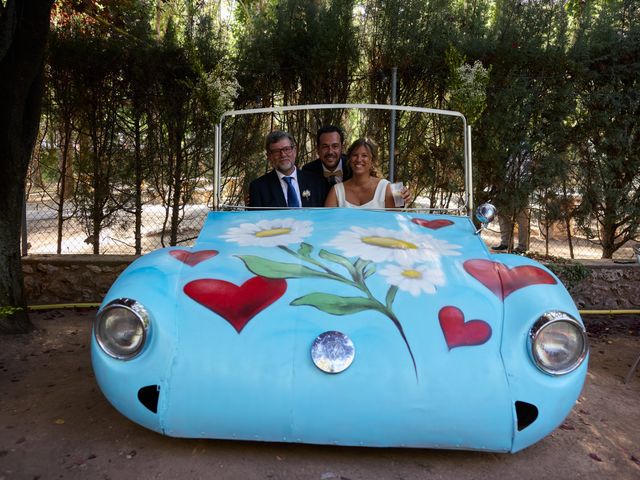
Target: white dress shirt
{"points": [[284, 185]]}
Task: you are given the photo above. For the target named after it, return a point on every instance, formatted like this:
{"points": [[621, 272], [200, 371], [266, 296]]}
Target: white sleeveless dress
{"points": [[376, 202]]}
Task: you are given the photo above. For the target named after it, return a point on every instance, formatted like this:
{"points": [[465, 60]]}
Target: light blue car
{"points": [[345, 327]]}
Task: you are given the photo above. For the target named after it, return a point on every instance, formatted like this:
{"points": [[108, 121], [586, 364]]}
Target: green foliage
{"points": [[131, 106], [569, 272], [468, 86], [520, 140], [296, 51], [135, 88], [7, 311], [606, 133]]}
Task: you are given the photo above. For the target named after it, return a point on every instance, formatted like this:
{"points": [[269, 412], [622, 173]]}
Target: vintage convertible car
{"points": [[342, 326]]}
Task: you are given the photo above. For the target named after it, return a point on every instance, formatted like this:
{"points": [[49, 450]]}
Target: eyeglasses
{"points": [[283, 150]]}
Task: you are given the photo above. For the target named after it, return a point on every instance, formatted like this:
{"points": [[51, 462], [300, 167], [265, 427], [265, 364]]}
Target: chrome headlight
{"points": [[121, 328], [558, 343]]}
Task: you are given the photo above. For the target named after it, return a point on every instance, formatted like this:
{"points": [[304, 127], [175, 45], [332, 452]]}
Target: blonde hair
{"points": [[372, 147]]}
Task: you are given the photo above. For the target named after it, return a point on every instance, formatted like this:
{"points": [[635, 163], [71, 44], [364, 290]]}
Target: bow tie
{"points": [[335, 173]]}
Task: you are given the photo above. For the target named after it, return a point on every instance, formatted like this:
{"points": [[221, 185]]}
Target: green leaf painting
{"points": [[335, 304], [358, 272], [270, 269]]}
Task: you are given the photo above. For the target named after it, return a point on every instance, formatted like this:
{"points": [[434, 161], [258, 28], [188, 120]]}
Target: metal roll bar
{"points": [[468, 178]]}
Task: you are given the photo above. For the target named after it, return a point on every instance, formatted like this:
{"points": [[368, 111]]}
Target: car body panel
{"points": [[234, 318], [525, 382], [152, 280]]}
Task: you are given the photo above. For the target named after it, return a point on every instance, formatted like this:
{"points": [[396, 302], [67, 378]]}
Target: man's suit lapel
{"points": [[315, 187], [276, 190]]}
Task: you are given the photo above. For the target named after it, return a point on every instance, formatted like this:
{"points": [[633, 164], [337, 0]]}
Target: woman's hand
{"points": [[406, 196], [393, 202]]}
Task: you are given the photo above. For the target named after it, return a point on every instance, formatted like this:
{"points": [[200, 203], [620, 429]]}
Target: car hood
{"points": [[259, 287], [343, 263]]}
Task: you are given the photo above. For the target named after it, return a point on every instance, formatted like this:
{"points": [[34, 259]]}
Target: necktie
{"points": [[292, 198]]}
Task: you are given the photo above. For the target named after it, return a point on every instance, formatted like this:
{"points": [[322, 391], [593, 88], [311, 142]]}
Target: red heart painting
{"points": [[192, 258], [458, 333], [502, 280], [236, 304], [432, 224]]}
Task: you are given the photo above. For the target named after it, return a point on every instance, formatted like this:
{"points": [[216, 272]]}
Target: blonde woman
{"points": [[364, 189]]}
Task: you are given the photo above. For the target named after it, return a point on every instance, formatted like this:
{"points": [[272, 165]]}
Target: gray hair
{"points": [[275, 137]]}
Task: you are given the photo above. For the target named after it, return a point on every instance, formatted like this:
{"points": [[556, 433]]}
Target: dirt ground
{"points": [[55, 423]]}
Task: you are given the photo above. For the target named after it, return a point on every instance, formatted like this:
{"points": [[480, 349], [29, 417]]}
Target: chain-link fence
{"points": [[49, 231], [134, 198]]}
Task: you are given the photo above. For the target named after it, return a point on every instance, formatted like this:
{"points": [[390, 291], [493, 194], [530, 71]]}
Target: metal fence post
{"points": [[392, 137]]}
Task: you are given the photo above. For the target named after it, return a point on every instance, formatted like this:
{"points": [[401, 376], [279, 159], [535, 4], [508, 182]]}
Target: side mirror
{"points": [[485, 215]]}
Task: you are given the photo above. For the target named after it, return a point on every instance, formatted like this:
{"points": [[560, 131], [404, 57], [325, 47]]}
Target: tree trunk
{"points": [[177, 191], [23, 31], [63, 190], [96, 204], [139, 180], [567, 213], [607, 229]]}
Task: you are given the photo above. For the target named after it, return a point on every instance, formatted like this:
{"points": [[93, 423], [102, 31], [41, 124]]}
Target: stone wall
{"points": [[609, 286], [53, 279]]}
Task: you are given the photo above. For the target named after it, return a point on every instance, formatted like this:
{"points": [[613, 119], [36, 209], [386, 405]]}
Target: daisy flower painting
{"points": [[414, 279], [384, 245], [269, 233]]}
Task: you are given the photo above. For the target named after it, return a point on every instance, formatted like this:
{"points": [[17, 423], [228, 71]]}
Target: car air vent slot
{"points": [[148, 397], [526, 413]]}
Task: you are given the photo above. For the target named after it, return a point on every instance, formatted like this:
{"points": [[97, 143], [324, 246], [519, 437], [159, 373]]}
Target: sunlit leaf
{"points": [[271, 269], [391, 295], [360, 267], [370, 270], [305, 249], [339, 259], [335, 304], [362, 264]]}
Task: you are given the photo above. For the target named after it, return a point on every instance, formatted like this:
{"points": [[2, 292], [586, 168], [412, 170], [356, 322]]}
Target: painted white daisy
{"points": [[414, 279], [384, 245], [269, 233]]}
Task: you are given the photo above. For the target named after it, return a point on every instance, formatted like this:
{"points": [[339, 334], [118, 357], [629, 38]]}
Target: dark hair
{"points": [[275, 137], [329, 129], [373, 150]]}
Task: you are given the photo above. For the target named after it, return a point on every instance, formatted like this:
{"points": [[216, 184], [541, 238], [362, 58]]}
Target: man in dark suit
{"points": [[331, 163], [286, 186]]}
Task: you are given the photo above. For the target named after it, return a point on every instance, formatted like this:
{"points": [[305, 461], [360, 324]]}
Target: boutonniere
{"points": [[306, 194]]}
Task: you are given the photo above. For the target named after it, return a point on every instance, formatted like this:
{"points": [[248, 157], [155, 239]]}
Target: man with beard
{"points": [[331, 163], [286, 186]]}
